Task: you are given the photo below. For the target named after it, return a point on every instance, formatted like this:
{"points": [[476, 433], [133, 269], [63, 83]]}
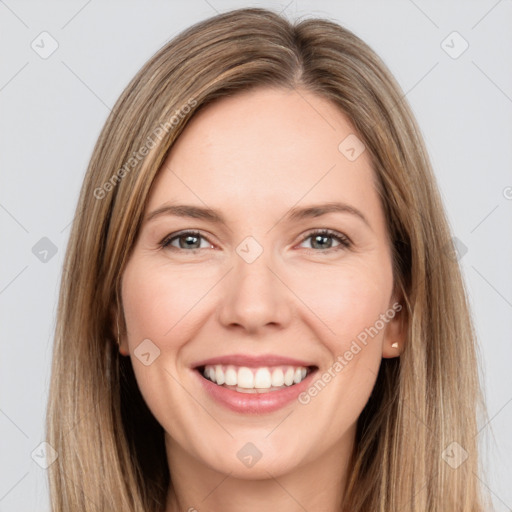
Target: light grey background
{"points": [[52, 110]]}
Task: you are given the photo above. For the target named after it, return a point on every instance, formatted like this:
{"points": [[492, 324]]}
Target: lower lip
{"points": [[255, 403]]}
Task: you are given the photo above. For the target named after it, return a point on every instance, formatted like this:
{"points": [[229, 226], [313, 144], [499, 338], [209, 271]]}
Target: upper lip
{"points": [[253, 361]]}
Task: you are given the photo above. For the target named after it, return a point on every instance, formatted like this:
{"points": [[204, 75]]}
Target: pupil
{"points": [[188, 238], [320, 237]]}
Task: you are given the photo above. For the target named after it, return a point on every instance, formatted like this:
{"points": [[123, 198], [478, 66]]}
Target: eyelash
{"points": [[344, 241]]}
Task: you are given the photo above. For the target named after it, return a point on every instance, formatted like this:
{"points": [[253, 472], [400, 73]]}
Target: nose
{"points": [[255, 297]]}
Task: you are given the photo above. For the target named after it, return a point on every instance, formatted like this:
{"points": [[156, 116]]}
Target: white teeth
{"points": [[219, 375], [262, 379], [245, 378], [231, 377], [277, 377], [288, 376], [265, 378]]}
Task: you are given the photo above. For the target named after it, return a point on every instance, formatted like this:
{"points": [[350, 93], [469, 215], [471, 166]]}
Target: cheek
{"points": [[346, 300], [157, 300], [347, 303], [158, 305]]}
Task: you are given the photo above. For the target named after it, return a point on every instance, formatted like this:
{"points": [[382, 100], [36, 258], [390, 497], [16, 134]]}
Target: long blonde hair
{"points": [[111, 453]]}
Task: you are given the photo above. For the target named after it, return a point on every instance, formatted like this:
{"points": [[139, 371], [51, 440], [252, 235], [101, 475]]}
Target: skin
{"points": [[253, 156]]}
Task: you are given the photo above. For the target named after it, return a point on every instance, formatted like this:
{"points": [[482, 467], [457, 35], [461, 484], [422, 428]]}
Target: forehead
{"points": [[264, 150]]}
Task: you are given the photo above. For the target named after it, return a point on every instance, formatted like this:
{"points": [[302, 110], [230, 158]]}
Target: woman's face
{"points": [[295, 322]]}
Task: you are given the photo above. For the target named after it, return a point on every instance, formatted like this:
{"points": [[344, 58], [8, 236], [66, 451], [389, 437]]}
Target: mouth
{"points": [[264, 379], [254, 385]]}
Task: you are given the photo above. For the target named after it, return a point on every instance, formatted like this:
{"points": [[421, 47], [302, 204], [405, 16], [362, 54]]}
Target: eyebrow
{"points": [[293, 215]]}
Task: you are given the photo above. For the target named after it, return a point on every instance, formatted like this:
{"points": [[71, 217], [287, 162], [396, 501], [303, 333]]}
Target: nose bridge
{"points": [[254, 295]]}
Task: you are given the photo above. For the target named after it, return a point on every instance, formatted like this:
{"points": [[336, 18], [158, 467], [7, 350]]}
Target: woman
{"points": [[260, 307]]}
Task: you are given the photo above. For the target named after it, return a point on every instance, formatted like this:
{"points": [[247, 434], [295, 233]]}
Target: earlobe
{"points": [[395, 334], [121, 340], [391, 350], [123, 351]]}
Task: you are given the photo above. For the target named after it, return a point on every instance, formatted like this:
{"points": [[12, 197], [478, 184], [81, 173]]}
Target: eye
{"points": [[186, 240], [323, 239], [190, 241]]}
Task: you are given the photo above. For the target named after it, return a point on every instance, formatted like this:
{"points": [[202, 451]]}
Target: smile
{"points": [[255, 380], [253, 384]]}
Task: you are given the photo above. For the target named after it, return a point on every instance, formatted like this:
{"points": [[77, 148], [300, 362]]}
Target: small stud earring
{"points": [[394, 345]]}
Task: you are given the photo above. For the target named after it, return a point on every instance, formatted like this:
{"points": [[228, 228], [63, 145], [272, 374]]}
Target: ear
{"points": [[396, 329], [119, 334]]}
